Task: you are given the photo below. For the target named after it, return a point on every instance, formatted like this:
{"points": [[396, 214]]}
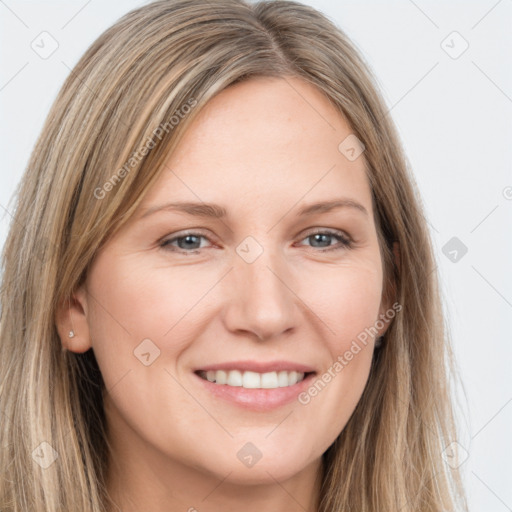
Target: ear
{"points": [[71, 316], [389, 305]]}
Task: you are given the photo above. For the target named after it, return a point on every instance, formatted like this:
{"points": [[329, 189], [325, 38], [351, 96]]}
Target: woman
{"points": [[219, 290]]}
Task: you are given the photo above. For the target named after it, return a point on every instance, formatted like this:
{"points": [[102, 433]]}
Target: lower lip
{"points": [[257, 399]]}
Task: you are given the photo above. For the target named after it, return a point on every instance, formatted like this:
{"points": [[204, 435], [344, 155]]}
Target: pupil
{"points": [[189, 238], [320, 235]]}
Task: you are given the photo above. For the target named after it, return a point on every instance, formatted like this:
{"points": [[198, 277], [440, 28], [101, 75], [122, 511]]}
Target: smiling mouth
{"points": [[253, 380]]}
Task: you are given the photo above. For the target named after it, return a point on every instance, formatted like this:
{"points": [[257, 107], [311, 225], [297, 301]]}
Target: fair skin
{"points": [[263, 151]]}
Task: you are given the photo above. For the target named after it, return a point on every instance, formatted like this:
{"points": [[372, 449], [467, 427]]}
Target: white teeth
{"points": [[253, 380], [221, 377], [282, 378], [234, 378], [269, 380]]}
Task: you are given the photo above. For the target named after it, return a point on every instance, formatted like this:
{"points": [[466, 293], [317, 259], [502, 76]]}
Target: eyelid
{"points": [[330, 231], [345, 240], [182, 234]]}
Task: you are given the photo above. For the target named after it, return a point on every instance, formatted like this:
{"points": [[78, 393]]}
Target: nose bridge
{"points": [[261, 300]]}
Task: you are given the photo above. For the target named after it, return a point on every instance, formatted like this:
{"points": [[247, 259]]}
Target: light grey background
{"points": [[454, 116]]}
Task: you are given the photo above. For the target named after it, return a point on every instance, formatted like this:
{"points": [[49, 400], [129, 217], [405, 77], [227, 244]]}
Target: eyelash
{"points": [[345, 241]]}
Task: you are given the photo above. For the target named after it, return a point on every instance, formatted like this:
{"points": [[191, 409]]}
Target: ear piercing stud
{"points": [[71, 334]]}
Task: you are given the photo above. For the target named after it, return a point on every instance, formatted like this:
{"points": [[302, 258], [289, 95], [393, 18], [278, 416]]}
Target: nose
{"points": [[261, 297]]}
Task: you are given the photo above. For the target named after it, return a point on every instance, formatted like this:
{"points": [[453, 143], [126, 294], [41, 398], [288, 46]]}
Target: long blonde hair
{"points": [[120, 98]]}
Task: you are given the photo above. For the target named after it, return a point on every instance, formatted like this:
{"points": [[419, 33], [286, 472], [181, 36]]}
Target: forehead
{"points": [[266, 142]]}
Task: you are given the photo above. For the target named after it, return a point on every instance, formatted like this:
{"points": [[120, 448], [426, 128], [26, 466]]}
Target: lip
{"points": [[258, 366], [257, 399]]}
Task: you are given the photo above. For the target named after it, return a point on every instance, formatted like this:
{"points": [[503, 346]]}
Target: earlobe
{"points": [[71, 322]]}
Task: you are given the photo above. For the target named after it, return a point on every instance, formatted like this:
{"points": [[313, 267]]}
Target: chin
{"points": [[259, 462], [263, 472]]}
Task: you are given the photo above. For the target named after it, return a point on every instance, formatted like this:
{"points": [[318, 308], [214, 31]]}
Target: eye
{"points": [[324, 237], [186, 243], [190, 243]]}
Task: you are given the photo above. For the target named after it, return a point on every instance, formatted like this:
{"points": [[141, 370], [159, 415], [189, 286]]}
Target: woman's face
{"points": [[246, 280]]}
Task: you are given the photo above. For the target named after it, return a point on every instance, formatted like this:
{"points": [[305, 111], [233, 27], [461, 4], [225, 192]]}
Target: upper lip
{"points": [[259, 366]]}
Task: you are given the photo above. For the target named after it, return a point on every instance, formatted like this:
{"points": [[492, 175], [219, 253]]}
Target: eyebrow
{"points": [[215, 211]]}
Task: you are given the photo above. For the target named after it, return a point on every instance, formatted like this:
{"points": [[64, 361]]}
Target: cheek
{"points": [[133, 302], [347, 299], [141, 321], [349, 308]]}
